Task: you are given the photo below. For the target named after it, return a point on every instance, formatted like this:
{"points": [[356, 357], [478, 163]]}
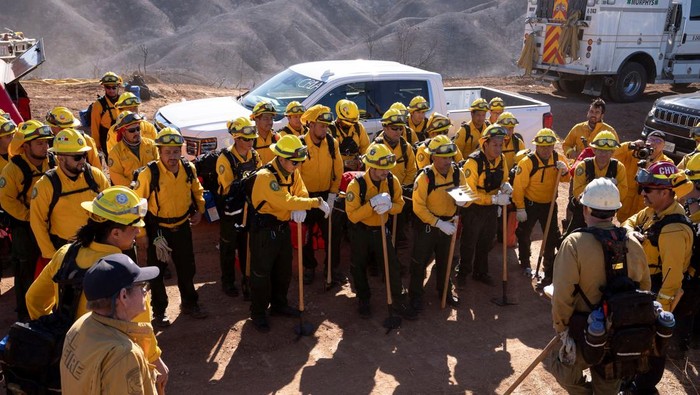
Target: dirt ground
{"points": [[478, 347]]}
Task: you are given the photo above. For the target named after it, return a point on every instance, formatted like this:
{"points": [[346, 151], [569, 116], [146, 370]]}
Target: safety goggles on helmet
{"points": [[170, 138], [299, 153], [325, 117], [603, 143], [264, 107], [384, 161], [444, 149], [246, 132], [7, 127], [439, 123], [129, 119], [545, 140], [38, 133], [5, 115], [110, 79], [130, 102], [480, 106], [420, 106], [295, 110], [691, 173], [508, 121], [398, 119], [647, 179]]}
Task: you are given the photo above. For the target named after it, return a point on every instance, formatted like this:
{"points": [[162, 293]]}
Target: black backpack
{"points": [[431, 177], [86, 115], [654, 231], [154, 188], [629, 312], [33, 350], [494, 175], [252, 216], [205, 164], [363, 186], [58, 187], [233, 204], [535, 166], [590, 169], [28, 175]]}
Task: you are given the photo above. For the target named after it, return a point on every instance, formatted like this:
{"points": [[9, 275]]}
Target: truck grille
{"points": [[676, 118]]}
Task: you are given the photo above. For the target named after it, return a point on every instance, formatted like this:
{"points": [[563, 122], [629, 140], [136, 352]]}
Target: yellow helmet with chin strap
{"points": [[318, 113], [290, 147], [507, 119], [261, 108], [419, 104], [7, 126], [111, 78], [497, 104], [127, 100], [479, 104], [393, 117], [118, 204], [379, 156], [437, 124], [294, 108], [545, 137], [442, 146]]}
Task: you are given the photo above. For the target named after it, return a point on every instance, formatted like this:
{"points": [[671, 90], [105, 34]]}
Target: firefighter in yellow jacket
{"points": [[175, 201], [512, 143], [438, 125], [468, 135], [7, 130], [417, 117], [496, 108], [437, 212], [667, 238], [60, 118], [574, 142], [370, 199], [486, 172], [321, 173], [408, 134], [350, 133], [536, 177], [129, 102], [31, 141], [54, 215], [104, 113], [132, 150], [264, 116], [233, 164], [279, 194], [293, 112]]}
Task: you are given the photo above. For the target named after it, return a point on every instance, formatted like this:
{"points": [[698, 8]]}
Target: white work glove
{"points": [[331, 199], [299, 216], [567, 352], [506, 188], [521, 215], [501, 199], [326, 208], [381, 208], [561, 166], [163, 252], [447, 228], [375, 200]]}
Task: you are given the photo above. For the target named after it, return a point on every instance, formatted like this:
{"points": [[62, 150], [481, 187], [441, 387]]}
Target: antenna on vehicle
{"points": [[326, 74]]}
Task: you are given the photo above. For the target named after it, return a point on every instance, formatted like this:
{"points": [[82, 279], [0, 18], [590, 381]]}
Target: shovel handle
{"points": [[329, 243], [386, 261], [300, 263], [448, 272]]}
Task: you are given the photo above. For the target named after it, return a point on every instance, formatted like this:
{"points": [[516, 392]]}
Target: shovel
{"points": [[303, 328], [545, 236], [505, 301], [391, 322], [329, 242], [446, 286]]}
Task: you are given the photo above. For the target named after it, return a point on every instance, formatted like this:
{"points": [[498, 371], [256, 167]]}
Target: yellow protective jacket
{"points": [[262, 145], [356, 132], [467, 138], [476, 180], [98, 118], [633, 201], [281, 196], [42, 295], [511, 146], [672, 255], [175, 197], [225, 175], [359, 211], [437, 204], [423, 158], [580, 261], [289, 130], [573, 141], [405, 169], [580, 178], [11, 185], [4, 160], [102, 355], [67, 216], [123, 162], [320, 171], [147, 130], [410, 136], [419, 128], [540, 186]]}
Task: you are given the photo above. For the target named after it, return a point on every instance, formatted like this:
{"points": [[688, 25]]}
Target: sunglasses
{"points": [[383, 161], [396, 128], [508, 122], [134, 130], [394, 119], [647, 189], [296, 110], [77, 157], [130, 102], [601, 143], [170, 138], [8, 127], [40, 132], [545, 139], [111, 87], [421, 106], [445, 149]]}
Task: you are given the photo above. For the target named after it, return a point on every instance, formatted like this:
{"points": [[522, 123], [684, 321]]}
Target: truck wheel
{"points": [[629, 84], [569, 86]]}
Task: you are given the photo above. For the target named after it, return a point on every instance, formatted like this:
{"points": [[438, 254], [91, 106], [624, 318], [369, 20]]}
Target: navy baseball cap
{"points": [[112, 273]]}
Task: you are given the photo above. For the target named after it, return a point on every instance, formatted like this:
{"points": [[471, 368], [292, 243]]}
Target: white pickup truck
{"points": [[372, 85]]}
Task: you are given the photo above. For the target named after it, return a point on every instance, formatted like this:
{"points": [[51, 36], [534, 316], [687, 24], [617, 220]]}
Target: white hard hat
{"points": [[601, 194]]}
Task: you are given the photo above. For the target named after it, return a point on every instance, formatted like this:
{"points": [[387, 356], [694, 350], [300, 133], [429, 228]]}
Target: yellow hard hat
{"points": [[290, 147], [7, 126], [507, 119], [294, 108], [126, 100], [347, 110], [110, 78], [479, 105], [379, 156], [692, 168], [261, 108], [70, 141], [26, 132], [497, 104], [394, 117], [418, 103], [605, 140], [126, 119], [441, 145], [494, 130], [243, 128], [169, 137], [119, 204], [545, 137], [400, 106], [61, 117], [438, 123], [318, 113], [4, 114]]}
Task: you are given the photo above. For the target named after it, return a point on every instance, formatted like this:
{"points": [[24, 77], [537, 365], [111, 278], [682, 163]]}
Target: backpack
{"points": [[33, 350], [590, 169], [348, 147], [629, 312], [363, 186], [494, 176], [252, 216], [58, 187], [535, 166], [331, 149], [232, 205], [86, 114], [205, 164], [654, 231], [275, 138], [28, 175], [154, 187], [431, 177], [402, 143]]}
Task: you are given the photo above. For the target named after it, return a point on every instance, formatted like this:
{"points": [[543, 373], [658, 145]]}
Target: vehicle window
{"points": [[356, 92], [695, 10], [281, 89], [387, 93]]}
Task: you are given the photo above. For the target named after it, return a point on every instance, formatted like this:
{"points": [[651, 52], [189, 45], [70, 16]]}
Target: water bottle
{"points": [[596, 315], [594, 348], [665, 323]]}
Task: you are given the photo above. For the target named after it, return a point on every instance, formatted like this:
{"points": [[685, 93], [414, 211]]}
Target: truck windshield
{"points": [[281, 89]]}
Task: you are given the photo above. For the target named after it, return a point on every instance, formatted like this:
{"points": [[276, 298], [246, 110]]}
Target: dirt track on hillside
{"points": [[478, 347]]}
